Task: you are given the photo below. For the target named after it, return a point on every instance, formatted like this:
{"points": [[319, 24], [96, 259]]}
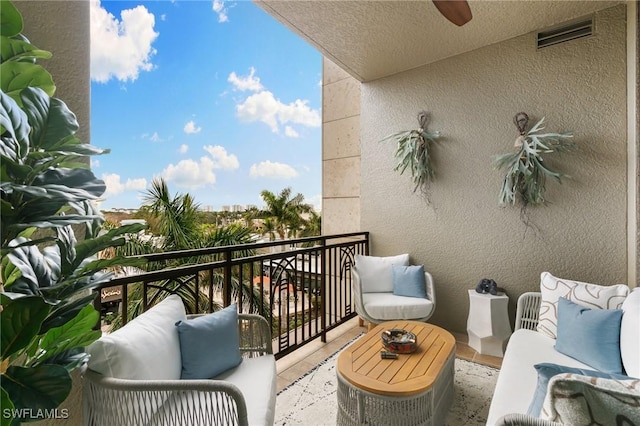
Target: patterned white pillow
{"points": [[580, 400], [585, 294]]}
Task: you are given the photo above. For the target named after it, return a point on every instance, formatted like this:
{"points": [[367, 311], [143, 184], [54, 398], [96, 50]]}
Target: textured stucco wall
{"points": [[62, 28], [464, 235], [340, 150], [68, 40]]}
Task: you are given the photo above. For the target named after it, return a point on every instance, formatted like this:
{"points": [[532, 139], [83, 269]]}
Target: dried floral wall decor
{"points": [[414, 152], [526, 171]]}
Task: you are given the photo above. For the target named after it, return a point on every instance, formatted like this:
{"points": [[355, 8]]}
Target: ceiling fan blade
{"points": [[456, 11]]}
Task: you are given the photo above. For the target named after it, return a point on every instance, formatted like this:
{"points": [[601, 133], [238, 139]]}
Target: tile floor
{"points": [[297, 364]]}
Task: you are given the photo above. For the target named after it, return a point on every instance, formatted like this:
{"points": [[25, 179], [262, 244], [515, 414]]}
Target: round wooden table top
{"points": [[361, 365]]}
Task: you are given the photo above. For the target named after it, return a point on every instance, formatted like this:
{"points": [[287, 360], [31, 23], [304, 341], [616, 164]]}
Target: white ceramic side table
{"points": [[488, 322]]}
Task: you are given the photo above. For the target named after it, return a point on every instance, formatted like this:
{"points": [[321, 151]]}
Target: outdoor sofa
{"points": [[598, 329], [167, 368]]}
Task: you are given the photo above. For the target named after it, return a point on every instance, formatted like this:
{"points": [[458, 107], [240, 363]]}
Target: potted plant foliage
{"points": [[47, 272]]}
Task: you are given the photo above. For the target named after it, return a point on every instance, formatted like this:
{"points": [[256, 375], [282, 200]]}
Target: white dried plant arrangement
{"points": [[414, 152], [526, 170]]}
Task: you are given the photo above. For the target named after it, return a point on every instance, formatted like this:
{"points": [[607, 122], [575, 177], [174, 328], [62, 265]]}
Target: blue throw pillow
{"points": [[409, 281], [209, 345], [547, 370], [591, 336]]}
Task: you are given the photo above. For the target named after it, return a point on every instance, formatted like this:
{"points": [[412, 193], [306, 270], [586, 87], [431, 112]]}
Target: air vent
{"points": [[565, 32]]}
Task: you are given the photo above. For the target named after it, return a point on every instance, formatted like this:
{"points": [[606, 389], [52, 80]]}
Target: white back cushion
{"points": [[147, 348], [585, 294], [375, 272], [630, 334]]}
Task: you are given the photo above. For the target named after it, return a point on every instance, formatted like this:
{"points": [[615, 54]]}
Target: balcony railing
{"points": [[301, 286]]}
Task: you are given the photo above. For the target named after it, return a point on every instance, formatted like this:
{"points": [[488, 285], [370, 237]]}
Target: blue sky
{"points": [[216, 97]]}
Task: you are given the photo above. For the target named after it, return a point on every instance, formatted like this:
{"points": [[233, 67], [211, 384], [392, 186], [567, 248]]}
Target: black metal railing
{"points": [[301, 286]]}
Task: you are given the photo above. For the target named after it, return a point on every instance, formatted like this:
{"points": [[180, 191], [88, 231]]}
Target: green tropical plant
{"points": [[177, 215], [177, 227], [46, 191], [526, 171], [414, 152], [285, 211]]}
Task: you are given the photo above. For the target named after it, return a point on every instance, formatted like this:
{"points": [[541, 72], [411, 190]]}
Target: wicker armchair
{"points": [[416, 309], [109, 401]]}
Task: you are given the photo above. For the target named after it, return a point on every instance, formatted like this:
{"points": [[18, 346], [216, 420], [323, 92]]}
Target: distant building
{"points": [[237, 208], [226, 208]]}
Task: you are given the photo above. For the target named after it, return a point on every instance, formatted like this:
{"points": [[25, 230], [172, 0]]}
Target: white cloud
{"points": [[316, 202], [250, 82], [115, 186], [163, 17], [184, 148], [290, 132], [95, 163], [155, 137], [218, 7], [263, 106], [191, 174], [120, 49], [222, 159], [190, 128], [272, 170]]}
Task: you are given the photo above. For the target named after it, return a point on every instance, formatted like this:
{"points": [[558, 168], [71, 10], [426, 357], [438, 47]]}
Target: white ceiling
{"points": [[374, 39]]}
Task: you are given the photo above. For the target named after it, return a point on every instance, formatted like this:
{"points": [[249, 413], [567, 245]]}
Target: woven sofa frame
{"points": [[109, 401]]}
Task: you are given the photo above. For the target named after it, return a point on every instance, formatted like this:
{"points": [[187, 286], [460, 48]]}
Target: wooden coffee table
{"points": [[415, 389]]}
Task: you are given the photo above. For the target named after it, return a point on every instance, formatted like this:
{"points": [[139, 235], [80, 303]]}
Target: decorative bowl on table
{"points": [[399, 341]]}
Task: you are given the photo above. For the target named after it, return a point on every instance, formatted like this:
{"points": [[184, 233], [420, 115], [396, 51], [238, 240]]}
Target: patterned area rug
{"points": [[312, 399]]}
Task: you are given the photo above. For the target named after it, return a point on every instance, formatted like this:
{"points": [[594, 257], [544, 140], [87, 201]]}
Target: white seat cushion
{"points": [[147, 348], [256, 379], [388, 306], [518, 378]]}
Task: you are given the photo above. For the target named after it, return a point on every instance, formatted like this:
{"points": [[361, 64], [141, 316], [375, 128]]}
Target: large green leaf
{"points": [[43, 387], [59, 194], [74, 179], [75, 333], [32, 265], [10, 19], [17, 76], [90, 247], [21, 320], [14, 127], [67, 309], [67, 248], [71, 359], [55, 221], [19, 50], [50, 118], [6, 404]]}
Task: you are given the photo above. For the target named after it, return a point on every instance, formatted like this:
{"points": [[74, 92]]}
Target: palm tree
{"points": [[176, 222], [285, 211], [312, 225], [177, 215], [269, 228]]}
